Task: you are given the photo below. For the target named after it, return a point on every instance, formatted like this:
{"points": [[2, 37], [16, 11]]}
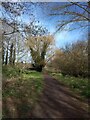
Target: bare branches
{"points": [[73, 11], [77, 4], [62, 7]]}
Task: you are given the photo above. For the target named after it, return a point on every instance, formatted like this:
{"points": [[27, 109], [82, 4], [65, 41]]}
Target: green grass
{"points": [[24, 84], [77, 84], [10, 71]]}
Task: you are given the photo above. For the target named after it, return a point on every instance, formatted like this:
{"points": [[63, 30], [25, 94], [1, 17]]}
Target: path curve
{"points": [[57, 101]]}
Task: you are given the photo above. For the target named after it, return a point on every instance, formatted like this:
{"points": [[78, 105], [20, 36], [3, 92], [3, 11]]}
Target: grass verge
{"points": [[20, 89], [77, 84]]}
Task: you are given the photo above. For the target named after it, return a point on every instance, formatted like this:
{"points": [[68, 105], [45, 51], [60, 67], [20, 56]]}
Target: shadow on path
{"points": [[57, 101]]}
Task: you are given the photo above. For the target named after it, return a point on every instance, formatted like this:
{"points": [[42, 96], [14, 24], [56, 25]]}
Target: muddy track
{"points": [[57, 101]]}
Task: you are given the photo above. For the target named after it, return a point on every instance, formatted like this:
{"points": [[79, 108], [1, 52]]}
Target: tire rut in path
{"points": [[56, 101]]}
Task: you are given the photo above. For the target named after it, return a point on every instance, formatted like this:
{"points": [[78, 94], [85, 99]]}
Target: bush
{"points": [[10, 71], [72, 60]]}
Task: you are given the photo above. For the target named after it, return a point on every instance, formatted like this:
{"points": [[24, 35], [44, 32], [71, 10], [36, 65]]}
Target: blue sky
{"points": [[41, 13]]}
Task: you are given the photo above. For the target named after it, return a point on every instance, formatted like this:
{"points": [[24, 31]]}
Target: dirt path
{"points": [[57, 101]]}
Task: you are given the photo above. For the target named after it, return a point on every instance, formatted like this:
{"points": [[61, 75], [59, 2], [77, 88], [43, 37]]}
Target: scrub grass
{"points": [[23, 88], [77, 84]]}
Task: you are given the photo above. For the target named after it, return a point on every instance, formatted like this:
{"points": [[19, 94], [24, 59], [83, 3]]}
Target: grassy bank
{"points": [[77, 84], [21, 88]]}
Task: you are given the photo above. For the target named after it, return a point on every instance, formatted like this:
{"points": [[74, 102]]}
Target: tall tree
{"points": [[38, 48]]}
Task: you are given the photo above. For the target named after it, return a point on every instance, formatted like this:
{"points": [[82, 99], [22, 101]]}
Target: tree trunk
{"points": [[11, 54], [6, 60], [14, 56], [39, 68], [3, 53]]}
